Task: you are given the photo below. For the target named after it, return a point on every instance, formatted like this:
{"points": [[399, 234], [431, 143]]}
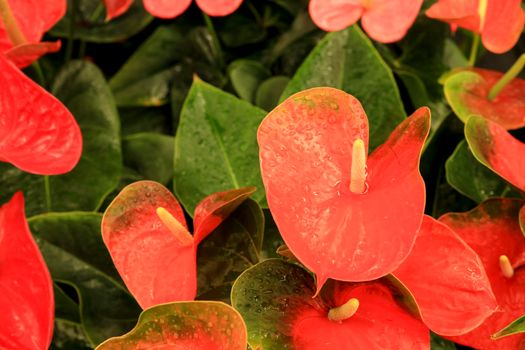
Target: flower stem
{"points": [[507, 77], [474, 50], [215, 39], [11, 25]]}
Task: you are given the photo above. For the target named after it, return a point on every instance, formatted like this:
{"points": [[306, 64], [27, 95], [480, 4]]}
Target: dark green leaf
{"points": [[246, 76], [438, 343], [473, 179], [65, 307], [82, 88], [90, 22], [144, 119], [151, 155], [232, 248], [280, 289], [272, 237], [269, 91], [69, 336], [347, 60], [217, 131], [517, 326], [75, 254], [145, 79], [237, 30]]}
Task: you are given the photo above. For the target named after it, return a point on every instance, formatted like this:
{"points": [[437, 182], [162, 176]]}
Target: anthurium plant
{"points": [[262, 174]]}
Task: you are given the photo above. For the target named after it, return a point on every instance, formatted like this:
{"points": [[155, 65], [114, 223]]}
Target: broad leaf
{"points": [[69, 336], [90, 22], [233, 247], [276, 301], [198, 325], [72, 247], [347, 60], [137, 150], [269, 91], [217, 131], [246, 76], [82, 88], [468, 176]]}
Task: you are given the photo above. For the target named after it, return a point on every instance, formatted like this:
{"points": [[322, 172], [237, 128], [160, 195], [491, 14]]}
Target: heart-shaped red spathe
{"points": [[467, 93], [215, 208], [157, 264], [218, 8], [500, 23], [26, 297], [23, 55], [383, 20], [493, 146], [37, 132], [154, 264], [34, 18], [172, 9], [115, 8], [492, 230], [379, 323], [448, 281], [306, 146]]}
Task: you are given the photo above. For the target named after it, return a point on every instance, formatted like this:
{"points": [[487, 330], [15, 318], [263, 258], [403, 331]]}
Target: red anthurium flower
{"points": [[447, 280], [26, 290], [492, 230], [146, 234], [500, 22], [172, 9], [115, 8], [493, 146], [384, 20], [22, 25], [342, 215], [367, 315], [467, 92], [37, 133]]}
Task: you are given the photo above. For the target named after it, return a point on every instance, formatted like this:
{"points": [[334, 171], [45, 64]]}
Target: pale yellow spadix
{"points": [[358, 170], [182, 234], [344, 311], [506, 267], [482, 12]]}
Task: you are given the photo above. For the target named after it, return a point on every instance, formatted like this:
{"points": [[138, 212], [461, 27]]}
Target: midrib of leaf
{"points": [[219, 141]]}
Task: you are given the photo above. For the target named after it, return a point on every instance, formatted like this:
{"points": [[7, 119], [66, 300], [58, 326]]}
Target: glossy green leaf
{"points": [[82, 88], [269, 91], [91, 24], [69, 336], [246, 76], [145, 78], [138, 149], [347, 60], [75, 254], [65, 307], [217, 131], [197, 325], [271, 330], [136, 120], [237, 30], [233, 247], [473, 179], [438, 343], [272, 237], [517, 326]]}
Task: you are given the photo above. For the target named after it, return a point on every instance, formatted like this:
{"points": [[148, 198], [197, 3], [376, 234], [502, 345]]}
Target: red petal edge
{"points": [[439, 263], [26, 297], [23, 55], [166, 8], [151, 260], [215, 208], [379, 323], [37, 132], [115, 8], [218, 8], [492, 229]]}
